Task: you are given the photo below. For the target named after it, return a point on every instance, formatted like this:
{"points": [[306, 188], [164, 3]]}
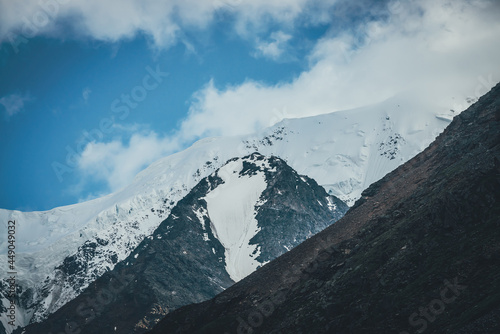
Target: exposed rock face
{"points": [[248, 212], [419, 252]]}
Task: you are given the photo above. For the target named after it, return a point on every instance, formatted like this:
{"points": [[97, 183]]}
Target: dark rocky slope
{"points": [[419, 252], [183, 261]]}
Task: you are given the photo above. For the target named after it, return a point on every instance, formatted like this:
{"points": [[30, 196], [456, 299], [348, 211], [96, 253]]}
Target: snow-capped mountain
{"points": [[343, 151], [426, 234], [240, 217]]}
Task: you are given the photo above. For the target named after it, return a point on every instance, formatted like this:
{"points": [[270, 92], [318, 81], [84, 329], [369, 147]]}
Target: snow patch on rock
{"points": [[231, 207]]}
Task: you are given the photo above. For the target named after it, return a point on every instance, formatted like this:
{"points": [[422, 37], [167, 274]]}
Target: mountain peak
{"points": [[344, 152], [243, 215]]}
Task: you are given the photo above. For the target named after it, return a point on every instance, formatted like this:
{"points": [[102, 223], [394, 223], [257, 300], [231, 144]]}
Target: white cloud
{"points": [[14, 103], [441, 51], [90, 196], [116, 163], [163, 21], [274, 48]]}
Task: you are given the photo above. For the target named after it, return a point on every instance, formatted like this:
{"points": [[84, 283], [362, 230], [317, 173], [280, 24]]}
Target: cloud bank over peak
{"points": [[441, 51]]}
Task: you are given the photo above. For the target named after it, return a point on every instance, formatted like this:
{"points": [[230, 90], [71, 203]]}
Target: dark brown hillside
{"points": [[419, 252]]}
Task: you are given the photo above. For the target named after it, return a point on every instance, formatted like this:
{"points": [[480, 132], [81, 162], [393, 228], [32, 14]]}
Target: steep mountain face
{"points": [[248, 212], [61, 251], [419, 252]]}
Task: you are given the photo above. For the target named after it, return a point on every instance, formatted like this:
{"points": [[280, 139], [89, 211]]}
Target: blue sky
{"points": [[91, 92]]}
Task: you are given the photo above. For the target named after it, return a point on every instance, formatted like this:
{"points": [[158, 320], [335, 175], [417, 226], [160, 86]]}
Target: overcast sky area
{"points": [[92, 91]]}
